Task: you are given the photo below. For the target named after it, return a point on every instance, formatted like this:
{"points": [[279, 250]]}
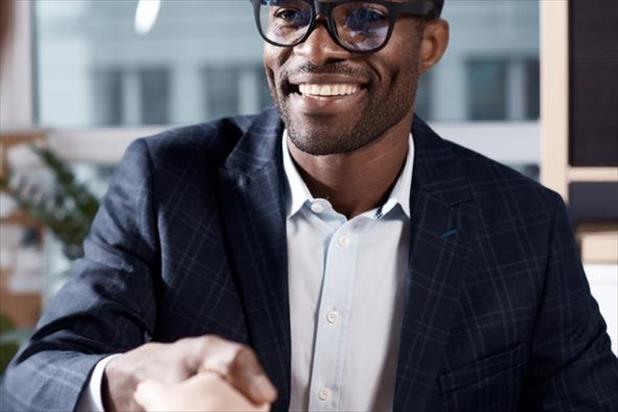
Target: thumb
{"points": [[147, 395]]}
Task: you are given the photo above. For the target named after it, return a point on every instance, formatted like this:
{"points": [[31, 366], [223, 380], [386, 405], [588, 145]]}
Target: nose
{"points": [[320, 48]]}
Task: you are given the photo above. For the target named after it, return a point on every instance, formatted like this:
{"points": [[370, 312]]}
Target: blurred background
{"points": [[80, 79]]}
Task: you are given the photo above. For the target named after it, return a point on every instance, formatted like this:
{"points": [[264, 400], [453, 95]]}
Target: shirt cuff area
{"points": [[90, 399]]}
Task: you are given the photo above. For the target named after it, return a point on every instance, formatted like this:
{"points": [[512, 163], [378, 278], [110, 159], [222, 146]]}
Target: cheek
{"points": [[402, 51], [397, 75], [397, 64]]}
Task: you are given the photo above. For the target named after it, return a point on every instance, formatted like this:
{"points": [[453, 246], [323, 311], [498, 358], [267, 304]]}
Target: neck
{"points": [[357, 181]]}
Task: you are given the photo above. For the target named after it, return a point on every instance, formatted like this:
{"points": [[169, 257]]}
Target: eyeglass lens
{"points": [[359, 26]]}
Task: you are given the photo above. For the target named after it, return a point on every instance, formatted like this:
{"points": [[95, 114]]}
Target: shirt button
{"points": [[317, 207], [343, 241], [331, 317], [324, 394]]}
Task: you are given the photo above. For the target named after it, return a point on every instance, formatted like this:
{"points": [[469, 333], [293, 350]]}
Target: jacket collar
{"points": [[258, 148]]}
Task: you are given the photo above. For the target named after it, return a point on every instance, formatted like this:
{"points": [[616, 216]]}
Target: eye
{"points": [[292, 16], [362, 19]]}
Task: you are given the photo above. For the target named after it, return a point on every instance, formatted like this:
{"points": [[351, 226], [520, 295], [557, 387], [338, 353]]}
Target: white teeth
{"points": [[328, 89]]}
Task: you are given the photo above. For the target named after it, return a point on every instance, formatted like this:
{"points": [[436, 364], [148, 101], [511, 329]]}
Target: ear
{"points": [[433, 43]]}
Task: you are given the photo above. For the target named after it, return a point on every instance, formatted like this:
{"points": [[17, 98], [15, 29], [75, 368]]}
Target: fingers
{"points": [[147, 395], [233, 364], [151, 361], [205, 391], [238, 365]]}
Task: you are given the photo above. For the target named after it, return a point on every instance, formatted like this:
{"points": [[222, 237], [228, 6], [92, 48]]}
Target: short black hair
{"points": [[438, 9]]}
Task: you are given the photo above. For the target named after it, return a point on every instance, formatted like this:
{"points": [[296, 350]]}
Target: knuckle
{"points": [[237, 351], [230, 359], [213, 342], [241, 351], [209, 340], [242, 357], [208, 344], [150, 346]]}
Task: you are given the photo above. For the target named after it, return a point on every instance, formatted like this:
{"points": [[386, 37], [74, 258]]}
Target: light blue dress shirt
{"points": [[346, 282]]}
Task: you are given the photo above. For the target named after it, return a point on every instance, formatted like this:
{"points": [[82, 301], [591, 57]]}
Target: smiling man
{"points": [[333, 253]]}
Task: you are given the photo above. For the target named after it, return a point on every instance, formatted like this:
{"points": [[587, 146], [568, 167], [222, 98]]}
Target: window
{"points": [[222, 91], [200, 57], [126, 96], [109, 104], [234, 89], [203, 60], [490, 41], [532, 88], [157, 78], [154, 88], [486, 89], [503, 89], [423, 97]]}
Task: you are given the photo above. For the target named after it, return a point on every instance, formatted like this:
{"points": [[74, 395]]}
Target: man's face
{"points": [[368, 93]]}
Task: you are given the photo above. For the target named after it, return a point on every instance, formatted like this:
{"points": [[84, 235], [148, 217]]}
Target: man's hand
{"points": [[205, 391], [176, 362]]}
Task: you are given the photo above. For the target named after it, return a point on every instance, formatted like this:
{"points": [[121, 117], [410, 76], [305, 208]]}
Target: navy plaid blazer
{"points": [[190, 240]]}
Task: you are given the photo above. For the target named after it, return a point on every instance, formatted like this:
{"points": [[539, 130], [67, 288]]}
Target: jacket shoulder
{"points": [[494, 184], [207, 143]]}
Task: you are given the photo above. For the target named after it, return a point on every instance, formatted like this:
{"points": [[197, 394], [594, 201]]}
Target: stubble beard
{"points": [[318, 137]]}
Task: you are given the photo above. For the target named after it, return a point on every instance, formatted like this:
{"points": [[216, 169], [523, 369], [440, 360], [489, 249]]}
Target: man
{"points": [[361, 265]]}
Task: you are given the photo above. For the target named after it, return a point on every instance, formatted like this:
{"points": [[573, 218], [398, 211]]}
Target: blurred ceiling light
{"points": [[146, 15]]}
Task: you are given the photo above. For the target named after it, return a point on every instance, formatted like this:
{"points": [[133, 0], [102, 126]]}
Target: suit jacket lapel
{"points": [[441, 222], [252, 190]]}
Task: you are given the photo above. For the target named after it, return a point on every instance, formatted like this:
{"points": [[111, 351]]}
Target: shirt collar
{"points": [[299, 193]]}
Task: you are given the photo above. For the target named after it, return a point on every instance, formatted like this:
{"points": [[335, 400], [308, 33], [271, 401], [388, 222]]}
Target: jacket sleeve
{"points": [[571, 366], [107, 305]]}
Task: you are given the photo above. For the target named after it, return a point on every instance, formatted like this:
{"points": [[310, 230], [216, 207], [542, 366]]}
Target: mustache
{"points": [[340, 68]]}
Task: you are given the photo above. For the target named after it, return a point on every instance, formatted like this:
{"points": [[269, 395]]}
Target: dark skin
{"points": [[357, 180]]}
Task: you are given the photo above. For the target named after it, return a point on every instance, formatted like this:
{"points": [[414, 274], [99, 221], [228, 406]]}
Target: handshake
{"points": [[194, 374]]}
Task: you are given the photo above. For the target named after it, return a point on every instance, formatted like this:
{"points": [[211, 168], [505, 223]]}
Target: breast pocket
{"points": [[489, 384]]}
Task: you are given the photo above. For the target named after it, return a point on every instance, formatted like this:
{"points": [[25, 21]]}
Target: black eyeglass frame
{"points": [[416, 8]]}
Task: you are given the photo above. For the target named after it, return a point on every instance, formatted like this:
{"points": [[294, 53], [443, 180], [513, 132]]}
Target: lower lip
{"points": [[326, 104]]}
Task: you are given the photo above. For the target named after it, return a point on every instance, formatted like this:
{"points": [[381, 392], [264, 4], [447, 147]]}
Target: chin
{"points": [[324, 133], [321, 138]]}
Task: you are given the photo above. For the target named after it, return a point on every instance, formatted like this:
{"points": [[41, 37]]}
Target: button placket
{"points": [[330, 338]]}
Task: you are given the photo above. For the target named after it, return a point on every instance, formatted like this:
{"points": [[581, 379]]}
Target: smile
{"points": [[326, 94], [328, 90]]}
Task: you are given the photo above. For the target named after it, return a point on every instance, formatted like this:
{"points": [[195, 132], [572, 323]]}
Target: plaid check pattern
{"points": [[190, 240]]}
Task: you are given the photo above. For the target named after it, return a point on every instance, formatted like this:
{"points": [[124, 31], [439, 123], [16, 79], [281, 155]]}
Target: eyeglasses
{"points": [[357, 26]]}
